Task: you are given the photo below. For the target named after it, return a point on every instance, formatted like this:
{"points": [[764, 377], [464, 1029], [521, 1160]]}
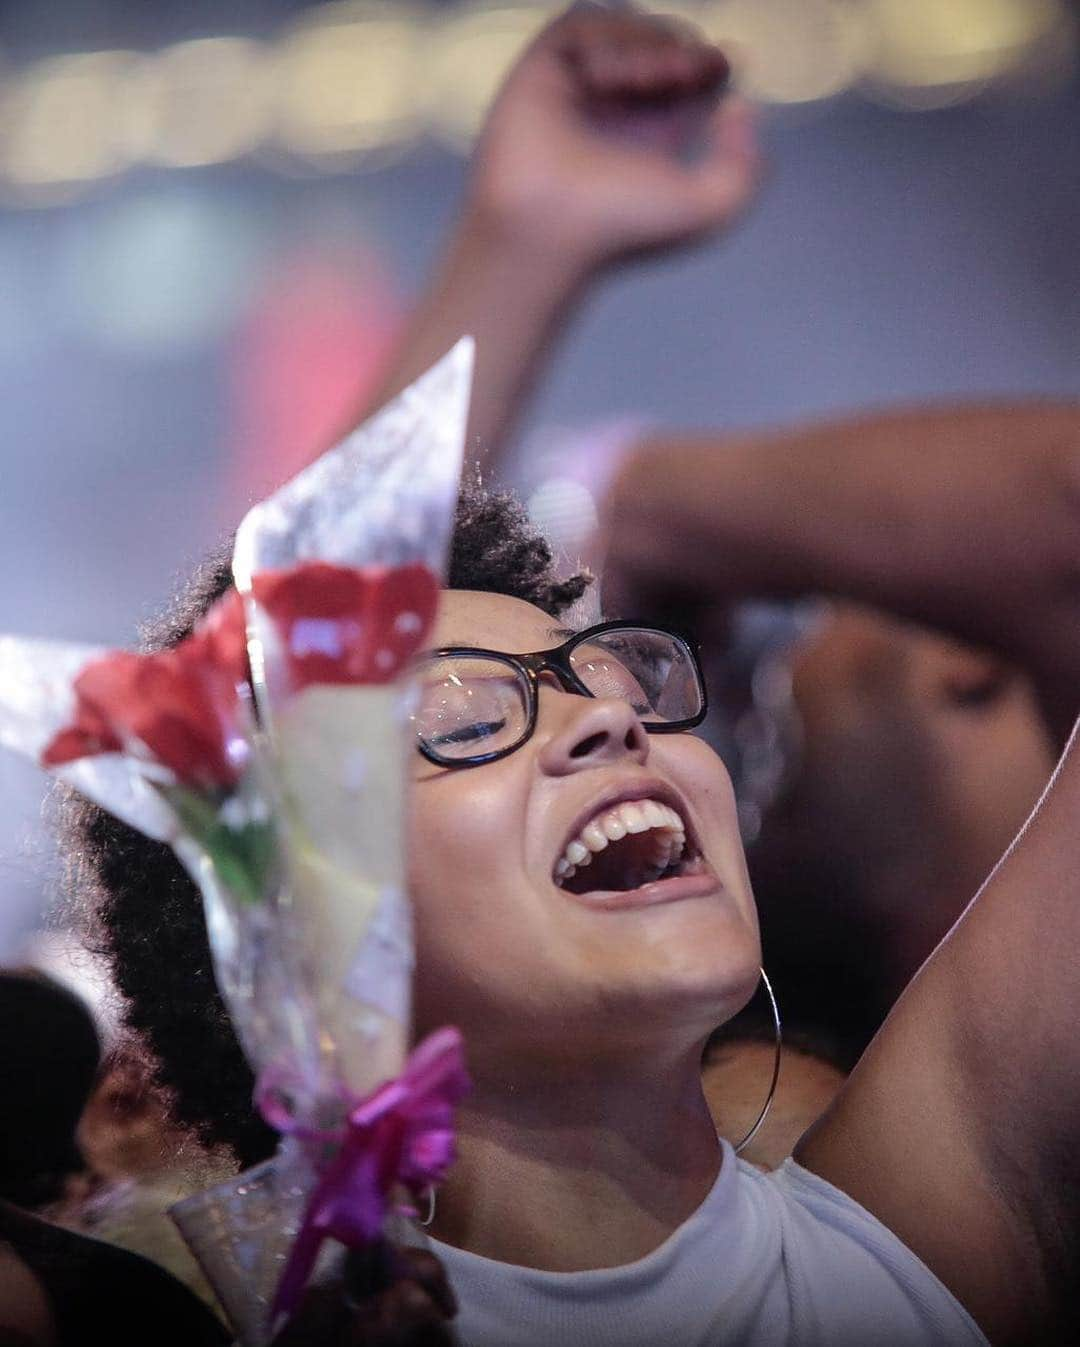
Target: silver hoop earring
{"points": [[427, 1219], [775, 1071]]}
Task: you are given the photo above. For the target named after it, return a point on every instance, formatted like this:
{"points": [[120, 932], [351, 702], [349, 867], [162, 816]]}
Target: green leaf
{"points": [[246, 859]]}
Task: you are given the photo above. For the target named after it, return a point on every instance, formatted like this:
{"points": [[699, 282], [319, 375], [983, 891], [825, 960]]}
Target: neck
{"points": [[576, 1166]]}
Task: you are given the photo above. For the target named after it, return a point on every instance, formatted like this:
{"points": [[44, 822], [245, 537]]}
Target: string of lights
{"points": [[355, 84]]}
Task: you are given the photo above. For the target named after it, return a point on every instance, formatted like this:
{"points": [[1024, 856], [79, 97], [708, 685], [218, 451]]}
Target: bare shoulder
{"points": [[960, 1127]]}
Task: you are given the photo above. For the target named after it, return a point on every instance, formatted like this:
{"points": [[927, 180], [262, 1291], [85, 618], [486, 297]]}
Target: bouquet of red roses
{"points": [[269, 750]]}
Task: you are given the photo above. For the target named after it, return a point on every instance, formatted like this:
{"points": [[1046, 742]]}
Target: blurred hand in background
{"points": [[612, 137], [613, 134]]}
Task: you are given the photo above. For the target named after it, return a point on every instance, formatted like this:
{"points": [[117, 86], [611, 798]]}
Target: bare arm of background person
{"points": [[966, 518], [960, 1127]]}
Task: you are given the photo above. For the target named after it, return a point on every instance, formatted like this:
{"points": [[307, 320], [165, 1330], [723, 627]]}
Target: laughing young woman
{"points": [[592, 1202]]}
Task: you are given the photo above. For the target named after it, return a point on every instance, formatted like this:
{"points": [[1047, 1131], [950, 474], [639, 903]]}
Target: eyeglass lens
{"points": [[471, 705], [651, 670]]}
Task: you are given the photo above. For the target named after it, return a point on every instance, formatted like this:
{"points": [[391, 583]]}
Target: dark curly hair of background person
{"points": [[144, 912]]}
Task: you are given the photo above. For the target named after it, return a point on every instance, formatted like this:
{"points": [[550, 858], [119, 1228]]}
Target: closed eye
{"points": [[467, 734]]}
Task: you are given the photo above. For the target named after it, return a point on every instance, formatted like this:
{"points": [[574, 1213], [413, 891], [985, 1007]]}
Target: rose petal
{"points": [[86, 737]]}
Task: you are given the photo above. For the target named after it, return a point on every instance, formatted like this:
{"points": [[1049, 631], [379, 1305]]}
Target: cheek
{"points": [[701, 774], [473, 810], [464, 863], [698, 771]]}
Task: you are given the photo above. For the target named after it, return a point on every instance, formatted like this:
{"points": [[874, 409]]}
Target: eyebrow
{"points": [[553, 633]]}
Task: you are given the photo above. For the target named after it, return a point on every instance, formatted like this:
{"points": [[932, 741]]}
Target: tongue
{"points": [[621, 866]]}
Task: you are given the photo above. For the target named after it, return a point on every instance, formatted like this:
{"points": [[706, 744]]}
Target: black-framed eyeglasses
{"points": [[476, 705]]}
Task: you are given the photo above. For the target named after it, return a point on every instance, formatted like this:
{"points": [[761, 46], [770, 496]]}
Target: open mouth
{"points": [[626, 846]]}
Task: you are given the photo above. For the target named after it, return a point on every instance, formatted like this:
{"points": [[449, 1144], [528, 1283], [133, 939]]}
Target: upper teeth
{"points": [[632, 816]]}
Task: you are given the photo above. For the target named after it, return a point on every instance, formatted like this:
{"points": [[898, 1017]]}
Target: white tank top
{"points": [[767, 1260]]}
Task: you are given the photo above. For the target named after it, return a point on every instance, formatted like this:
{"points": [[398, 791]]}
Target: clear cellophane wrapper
{"points": [[338, 755], [384, 499]]}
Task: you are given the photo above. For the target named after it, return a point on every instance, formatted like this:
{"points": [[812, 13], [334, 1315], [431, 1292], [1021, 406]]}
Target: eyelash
{"points": [[469, 733]]}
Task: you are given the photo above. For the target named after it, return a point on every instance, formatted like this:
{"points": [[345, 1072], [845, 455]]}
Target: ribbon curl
{"points": [[403, 1132]]}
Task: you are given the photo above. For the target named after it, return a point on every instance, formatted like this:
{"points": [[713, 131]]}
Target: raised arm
{"points": [[579, 165], [962, 517], [960, 1128]]}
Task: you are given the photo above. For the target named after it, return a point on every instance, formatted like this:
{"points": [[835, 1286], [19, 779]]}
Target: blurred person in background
{"points": [[49, 1064], [932, 697], [129, 1163], [921, 751], [139, 1164], [59, 1288]]}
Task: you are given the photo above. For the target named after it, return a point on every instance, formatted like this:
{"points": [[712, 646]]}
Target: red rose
{"points": [[177, 707], [88, 735], [339, 624]]}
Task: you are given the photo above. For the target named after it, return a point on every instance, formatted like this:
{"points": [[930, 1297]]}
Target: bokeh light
{"points": [[930, 53], [468, 60], [355, 82], [160, 272], [62, 121], [792, 51], [349, 81], [565, 512], [201, 102]]}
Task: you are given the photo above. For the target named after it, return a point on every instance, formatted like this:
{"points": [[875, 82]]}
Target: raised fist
{"points": [[613, 135]]}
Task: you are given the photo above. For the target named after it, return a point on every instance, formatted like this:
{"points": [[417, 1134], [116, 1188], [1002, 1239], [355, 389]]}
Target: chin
{"points": [[709, 993], [692, 973]]}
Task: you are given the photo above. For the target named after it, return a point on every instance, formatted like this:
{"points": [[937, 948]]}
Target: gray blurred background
{"points": [[214, 218]]}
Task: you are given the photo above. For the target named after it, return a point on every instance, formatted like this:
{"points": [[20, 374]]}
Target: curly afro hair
{"points": [[144, 912]]}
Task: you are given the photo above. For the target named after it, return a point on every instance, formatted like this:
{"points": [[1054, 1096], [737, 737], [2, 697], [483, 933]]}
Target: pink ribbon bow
{"points": [[403, 1132]]}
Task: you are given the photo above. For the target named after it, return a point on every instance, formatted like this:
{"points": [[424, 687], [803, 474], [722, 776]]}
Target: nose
{"points": [[598, 732]]}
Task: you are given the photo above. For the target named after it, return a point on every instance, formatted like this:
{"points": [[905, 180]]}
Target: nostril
{"points": [[632, 738], [589, 745]]}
